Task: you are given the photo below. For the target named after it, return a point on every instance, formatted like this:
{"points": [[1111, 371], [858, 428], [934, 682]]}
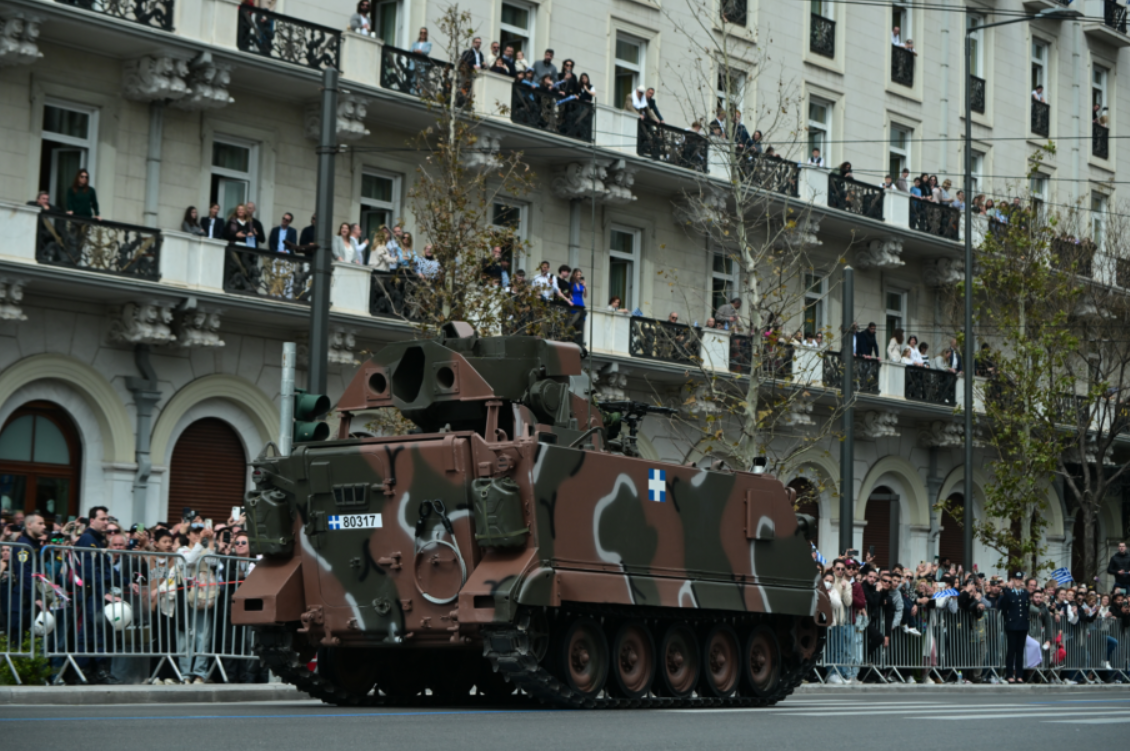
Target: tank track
{"points": [[275, 647], [509, 650]]}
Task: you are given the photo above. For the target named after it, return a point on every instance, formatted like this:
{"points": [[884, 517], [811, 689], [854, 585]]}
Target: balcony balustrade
{"points": [[292, 40]]}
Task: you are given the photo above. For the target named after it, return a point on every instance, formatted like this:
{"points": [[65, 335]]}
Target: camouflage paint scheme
{"points": [[720, 540]]}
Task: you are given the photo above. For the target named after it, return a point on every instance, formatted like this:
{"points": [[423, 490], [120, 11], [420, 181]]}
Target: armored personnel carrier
{"points": [[515, 543]]}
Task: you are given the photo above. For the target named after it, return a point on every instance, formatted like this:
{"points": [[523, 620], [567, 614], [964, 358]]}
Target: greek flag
{"points": [[819, 557], [1062, 576], [945, 593]]}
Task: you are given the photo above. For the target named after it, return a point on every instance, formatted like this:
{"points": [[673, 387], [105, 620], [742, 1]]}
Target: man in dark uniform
{"points": [[23, 610], [1013, 604], [95, 570]]}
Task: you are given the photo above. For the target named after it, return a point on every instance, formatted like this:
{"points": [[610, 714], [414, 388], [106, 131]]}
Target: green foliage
{"points": [[33, 671]]}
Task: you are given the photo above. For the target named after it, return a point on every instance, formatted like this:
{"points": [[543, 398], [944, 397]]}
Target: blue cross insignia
{"points": [[335, 522], [657, 485]]}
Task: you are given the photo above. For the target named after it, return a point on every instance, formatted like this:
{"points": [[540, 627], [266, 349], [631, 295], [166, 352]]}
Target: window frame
{"points": [[977, 172], [88, 145], [638, 69], [528, 33], [823, 8], [814, 299], [902, 152], [1101, 86], [1039, 64], [1098, 217], [636, 259], [399, 26], [252, 174], [372, 204], [730, 101], [731, 279], [903, 314], [903, 8], [825, 126], [523, 210], [977, 59]]}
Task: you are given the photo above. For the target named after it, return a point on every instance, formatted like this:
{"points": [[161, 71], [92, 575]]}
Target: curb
{"points": [[206, 694], [1002, 688]]}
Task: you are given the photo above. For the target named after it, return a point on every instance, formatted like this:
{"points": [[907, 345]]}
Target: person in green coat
{"points": [[82, 199]]}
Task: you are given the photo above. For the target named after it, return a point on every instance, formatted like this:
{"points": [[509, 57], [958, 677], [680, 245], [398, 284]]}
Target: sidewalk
{"points": [[217, 693]]}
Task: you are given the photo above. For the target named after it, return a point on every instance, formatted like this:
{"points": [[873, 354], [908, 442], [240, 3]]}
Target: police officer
{"points": [[23, 568], [1013, 604], [95, 571]]}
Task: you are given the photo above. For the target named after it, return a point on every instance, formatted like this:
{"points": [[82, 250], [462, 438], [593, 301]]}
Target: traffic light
{"points": [[307, 408]]}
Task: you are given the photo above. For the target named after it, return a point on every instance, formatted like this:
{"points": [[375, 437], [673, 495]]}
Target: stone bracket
{"points": [[18, 39], [351, 111], [11, 297], [879, 254], [148, 322]]}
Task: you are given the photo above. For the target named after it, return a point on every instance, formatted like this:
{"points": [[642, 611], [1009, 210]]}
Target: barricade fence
{"points": [[125, 616], [945, 646]]}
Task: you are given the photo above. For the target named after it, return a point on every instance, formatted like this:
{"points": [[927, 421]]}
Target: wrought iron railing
{"points": [[292, 40], [1100, 141], [929, 385], [91, 245], [263, 273], [822, 36], [866, 372], [935, 218], [1069, 254], [661, 340], [847, 194], [394, 294], [665, 143], [902, 65], [774, 361], [554, 321], [1122, 272], [1114, 15], [1041, 117], [413, 73], [544, 111], [1072, 409], [735, 12], [977, 94], [155, 13], [771, 173]]}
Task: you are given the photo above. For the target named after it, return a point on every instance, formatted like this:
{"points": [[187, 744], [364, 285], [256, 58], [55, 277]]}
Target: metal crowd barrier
{"points": [[126, 614], [958, 643]]}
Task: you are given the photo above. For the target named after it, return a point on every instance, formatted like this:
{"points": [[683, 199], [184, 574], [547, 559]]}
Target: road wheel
{"points": [[584, 657], [722, 659], [679, 661], [354, 671], [762, 664], [633, 661]]}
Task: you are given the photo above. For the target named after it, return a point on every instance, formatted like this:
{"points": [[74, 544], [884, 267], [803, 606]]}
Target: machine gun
{"points": [[617, 414]]}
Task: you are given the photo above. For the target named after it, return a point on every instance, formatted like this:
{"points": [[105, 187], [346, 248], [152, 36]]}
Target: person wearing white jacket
{"points": [[198, 629], [838, 585]]}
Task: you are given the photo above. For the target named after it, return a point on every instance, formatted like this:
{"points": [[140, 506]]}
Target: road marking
{"points": [[1092, 721], [971, 713]]}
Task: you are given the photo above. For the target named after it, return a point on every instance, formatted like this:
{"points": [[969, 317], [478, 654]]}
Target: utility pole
{"points": [[323, 258], [847, 446]]}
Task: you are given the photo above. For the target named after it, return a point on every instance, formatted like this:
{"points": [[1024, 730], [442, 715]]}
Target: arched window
{"points": [[208, 472], [40, 462]]}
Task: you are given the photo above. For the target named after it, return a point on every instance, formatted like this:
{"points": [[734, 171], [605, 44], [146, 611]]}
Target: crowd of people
{"points": [[171, 581], [896, 607]]}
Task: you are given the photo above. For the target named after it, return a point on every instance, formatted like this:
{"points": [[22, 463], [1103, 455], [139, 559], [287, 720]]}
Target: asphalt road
{"points": [[996, 720]]}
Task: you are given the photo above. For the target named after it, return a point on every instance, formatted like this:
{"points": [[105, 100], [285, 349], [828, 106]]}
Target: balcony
{"points": [[865, 369], [263, 273], [1069, 254], [105, 247], [977, 94], [774, 361], [929, 385], [1100, 141], [539, 109], [1112, 29], [414, 74], [935, 218], [653, 339], [155, 13], [665, 143], [735, 12], [822, 36], [902, 66], [772, 174], [1122, 272], [855, 197], [291, 40], [1041, 118]]}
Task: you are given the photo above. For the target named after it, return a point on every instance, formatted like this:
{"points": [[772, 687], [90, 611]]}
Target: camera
{"points": [[226, 536]]}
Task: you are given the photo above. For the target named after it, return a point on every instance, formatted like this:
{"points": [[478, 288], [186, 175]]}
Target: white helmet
{"points": [[44, 624], [119, 614]]}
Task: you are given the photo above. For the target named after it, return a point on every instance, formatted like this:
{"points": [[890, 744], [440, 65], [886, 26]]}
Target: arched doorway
{"points": [[208, 473], [951, 542], [881, 532], [808, 502], [40, 462]]}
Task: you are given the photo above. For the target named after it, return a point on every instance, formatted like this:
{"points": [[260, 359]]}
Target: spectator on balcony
{"points": [[637, 102], [190, 223], [652, 108], [896, 346], [741, 134], [308, 233], [260, 233], [888, 183], [948, 361], [342, 247], [865, 343], [495, 53], [924, 356], [81, 198], [505, 63], [544, 283], [913, 356], [567, 88], [427, 267], [941, 194], [521, 65], [978, 204], [359, 245], [240, 228], [959, 202], [615, 305], [816, 160], [909, 47], [756, 144], [494, 268], [1038, 94], [587, 91], [43, 201], [422, 46], [567, 67], [728, 314], [472, 59], [545, 67], [577, 289], [1097, 116], [903, 182], [283, 234], [360, 22], [896, 36], [563, 293], [213, 225]]}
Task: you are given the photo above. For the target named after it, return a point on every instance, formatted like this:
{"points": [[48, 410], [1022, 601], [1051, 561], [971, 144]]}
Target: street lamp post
{"points": [[1048, 14]]}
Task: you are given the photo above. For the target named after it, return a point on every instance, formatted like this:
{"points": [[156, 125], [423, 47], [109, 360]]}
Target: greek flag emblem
{"points": [[657, 485]]}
